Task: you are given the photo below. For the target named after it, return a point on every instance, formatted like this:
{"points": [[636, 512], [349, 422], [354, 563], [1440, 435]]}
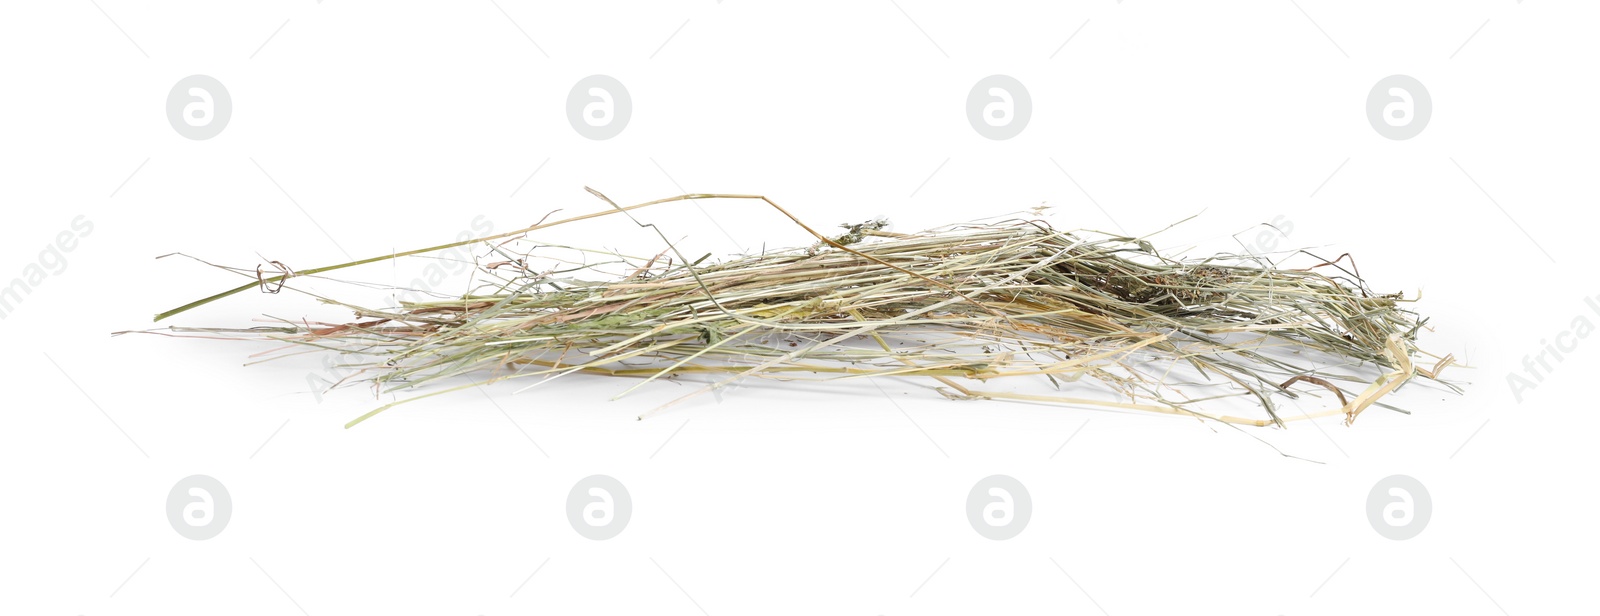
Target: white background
{"points": [[393, 125]]}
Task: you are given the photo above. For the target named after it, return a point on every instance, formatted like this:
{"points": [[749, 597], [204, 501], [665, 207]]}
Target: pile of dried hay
{"points": [[962, 305]]}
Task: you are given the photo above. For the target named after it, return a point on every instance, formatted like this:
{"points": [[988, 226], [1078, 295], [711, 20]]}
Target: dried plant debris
{"points": [[966, 308]]}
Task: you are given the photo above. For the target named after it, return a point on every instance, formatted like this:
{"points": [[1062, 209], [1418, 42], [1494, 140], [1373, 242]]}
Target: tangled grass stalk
{"points": [[963, 306]]}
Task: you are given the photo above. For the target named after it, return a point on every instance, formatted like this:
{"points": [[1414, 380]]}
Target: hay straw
{"points": [[964, 306]]}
